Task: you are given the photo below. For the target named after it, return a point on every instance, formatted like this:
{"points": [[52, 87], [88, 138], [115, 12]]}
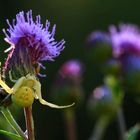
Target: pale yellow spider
{"points": [[25, 90]]}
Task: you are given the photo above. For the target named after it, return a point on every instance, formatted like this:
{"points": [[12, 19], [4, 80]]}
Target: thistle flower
{"points": [[126, 48], [71, 69], [125, 40], [99, 44], [98, 37], [100, 101], [30, 43], [106, 99], [67, 86]]}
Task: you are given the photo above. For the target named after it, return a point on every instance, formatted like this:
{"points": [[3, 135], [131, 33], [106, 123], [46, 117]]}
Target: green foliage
{"points": [[133, 133], [11, 135]]}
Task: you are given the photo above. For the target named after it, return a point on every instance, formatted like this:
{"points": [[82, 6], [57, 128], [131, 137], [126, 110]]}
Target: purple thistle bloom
{"points": [[30, 41], [125, 40], [102, 94], [67, 86], [72, 68], [97, 37], [98, 44]]}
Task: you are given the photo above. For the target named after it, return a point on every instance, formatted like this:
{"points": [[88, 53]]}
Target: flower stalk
{"points": [[121, 123], [70, 124], [29, 122], [99, 128]]}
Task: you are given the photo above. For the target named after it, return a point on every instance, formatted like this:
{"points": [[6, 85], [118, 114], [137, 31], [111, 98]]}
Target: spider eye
{"points": [[23, 97]]}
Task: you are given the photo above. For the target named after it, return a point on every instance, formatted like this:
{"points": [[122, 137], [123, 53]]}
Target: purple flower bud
{"points": [[126, 48], [99, 47], [67, 86], [101, 94], [98, 37], [131, 73], [71, 69], [30, 42], [112, 66], [102, 102]]}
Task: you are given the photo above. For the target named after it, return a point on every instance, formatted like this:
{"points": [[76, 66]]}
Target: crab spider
{"points": [[25, 90]]}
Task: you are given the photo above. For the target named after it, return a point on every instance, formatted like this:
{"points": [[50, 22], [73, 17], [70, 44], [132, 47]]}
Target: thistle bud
{"points": [[126, 48], [99, 47], [101, 102], [67, 87]]}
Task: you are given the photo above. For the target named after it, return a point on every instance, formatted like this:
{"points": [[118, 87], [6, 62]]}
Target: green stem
{"points": [[29, 123], [7, 114], [121, 123], [99, 128], [70, 124]]}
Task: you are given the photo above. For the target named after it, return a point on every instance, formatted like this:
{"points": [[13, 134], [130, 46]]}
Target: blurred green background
{"points": [[75, 19]]}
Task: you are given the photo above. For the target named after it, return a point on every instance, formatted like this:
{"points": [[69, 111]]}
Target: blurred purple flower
{"points": [[97, 37], [125, 40], [98, 44], [30, 41], [101, 102], [102, 94], [126, 48], [72, 68], [68, 83]]}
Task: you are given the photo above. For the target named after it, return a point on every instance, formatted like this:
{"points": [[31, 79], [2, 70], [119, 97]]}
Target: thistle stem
{"points": [[121, 123], [70, 124], [7, 114], [29, 123], [99, 128]]}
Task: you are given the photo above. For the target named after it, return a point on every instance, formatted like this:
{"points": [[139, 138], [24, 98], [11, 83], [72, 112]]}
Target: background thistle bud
{"points": [[99, 47], [67, 87], [112, 67], [126, 49], [131, 73], [105, 100], [101, 102]]}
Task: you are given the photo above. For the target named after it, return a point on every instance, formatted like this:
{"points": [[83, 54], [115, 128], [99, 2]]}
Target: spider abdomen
{"points": [[23, 97]]}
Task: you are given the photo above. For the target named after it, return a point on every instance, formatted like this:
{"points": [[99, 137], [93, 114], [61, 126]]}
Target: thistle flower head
{"points": [[102, 94], [72, 68], [67, 85], [98, 37], [101, 102], [98, 44], [30, 38], [125, 40]]}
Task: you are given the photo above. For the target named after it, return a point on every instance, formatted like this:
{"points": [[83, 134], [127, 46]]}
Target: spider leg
{"points": [[11, 78], [5, 87], [3, 84], [18, 84], [42, 101]]}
